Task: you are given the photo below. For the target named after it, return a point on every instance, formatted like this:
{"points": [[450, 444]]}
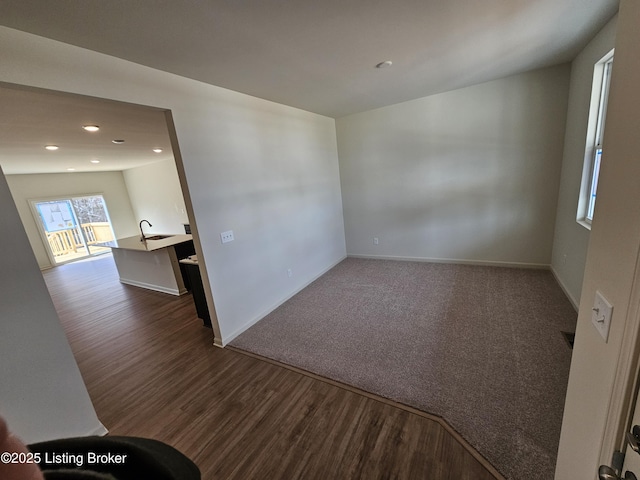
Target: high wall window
{"points": [[594, 147]]}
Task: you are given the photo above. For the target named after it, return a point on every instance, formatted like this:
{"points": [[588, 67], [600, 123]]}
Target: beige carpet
{"points": [[480, 346]]}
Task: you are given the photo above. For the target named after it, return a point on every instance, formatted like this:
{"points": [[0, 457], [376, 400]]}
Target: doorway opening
{"points": [[131, 157]]}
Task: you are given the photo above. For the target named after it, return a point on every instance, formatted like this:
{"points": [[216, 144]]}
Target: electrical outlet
{"points": [[227, 236], [289, 273], [375, 240], [601, 315]]}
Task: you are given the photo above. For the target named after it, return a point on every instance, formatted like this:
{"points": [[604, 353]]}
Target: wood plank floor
{"points": [[152, 371]]}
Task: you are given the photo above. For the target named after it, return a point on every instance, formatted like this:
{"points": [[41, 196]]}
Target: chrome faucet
{"points": [[142, 237]]}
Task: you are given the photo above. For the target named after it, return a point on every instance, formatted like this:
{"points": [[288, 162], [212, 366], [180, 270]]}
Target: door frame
{"points": [[626, 383]]}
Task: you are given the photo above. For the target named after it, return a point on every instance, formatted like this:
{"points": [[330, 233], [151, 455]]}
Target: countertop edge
{"points": [[134, 243]]}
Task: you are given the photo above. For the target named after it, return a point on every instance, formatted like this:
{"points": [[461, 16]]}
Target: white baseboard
{"points": [[572, 299], [229, 338], [99, 431], [150, 286], [457, 261]]}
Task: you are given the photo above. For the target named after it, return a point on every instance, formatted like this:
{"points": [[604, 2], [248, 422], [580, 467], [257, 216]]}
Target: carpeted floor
{"points": [[480, 346]]}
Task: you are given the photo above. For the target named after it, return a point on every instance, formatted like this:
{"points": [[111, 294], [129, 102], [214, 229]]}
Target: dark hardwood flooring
{"points": [[152, 371]]}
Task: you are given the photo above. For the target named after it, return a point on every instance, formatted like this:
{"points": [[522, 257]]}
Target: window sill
{"points": [[585, 224]]}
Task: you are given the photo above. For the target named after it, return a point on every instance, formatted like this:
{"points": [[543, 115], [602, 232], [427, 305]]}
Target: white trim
{"points": [[622, 402], [574, 302], [246, 326], [229, 338], [487, 263], [595, 126], [584, 223], [150, 286], [100, 431]]}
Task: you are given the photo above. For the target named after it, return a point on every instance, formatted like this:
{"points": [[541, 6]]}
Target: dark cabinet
{"points": [[184, 250], [192, 271]]}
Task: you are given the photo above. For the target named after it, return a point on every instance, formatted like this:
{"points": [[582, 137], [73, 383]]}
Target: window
{"points": [[593, 152]]}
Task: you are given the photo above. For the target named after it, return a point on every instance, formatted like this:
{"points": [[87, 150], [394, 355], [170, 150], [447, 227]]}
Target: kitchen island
{"points": [[153, 263]]}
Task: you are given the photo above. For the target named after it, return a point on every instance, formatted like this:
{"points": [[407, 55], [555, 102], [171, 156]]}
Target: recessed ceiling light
{"points": [[51, 147], [157, 150], [95, 161], [118, 142], [91, 128], [385, 64], [71, 169]]}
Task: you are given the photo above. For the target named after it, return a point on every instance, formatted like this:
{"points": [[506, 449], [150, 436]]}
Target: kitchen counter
{"points": [[153, 264], [134, 243]]}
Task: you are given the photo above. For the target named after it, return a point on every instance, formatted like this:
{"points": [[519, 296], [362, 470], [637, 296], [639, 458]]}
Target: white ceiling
{"points": [[317, 55], [31, 119]]}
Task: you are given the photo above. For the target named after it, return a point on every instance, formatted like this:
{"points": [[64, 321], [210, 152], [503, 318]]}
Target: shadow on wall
{"points": [[461, 175]]}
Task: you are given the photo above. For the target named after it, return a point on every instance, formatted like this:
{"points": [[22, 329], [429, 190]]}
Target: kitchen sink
{"points": [[157, 237]]}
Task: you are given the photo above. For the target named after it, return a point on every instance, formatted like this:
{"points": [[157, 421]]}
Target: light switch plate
{"points": [[601, 315]]}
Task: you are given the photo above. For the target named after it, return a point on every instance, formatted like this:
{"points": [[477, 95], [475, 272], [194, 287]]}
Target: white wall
{"points": [[42, 394], [266, 171], [611, 262], [571, 239], [110, 184], [467, 175], [156, 195]]}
